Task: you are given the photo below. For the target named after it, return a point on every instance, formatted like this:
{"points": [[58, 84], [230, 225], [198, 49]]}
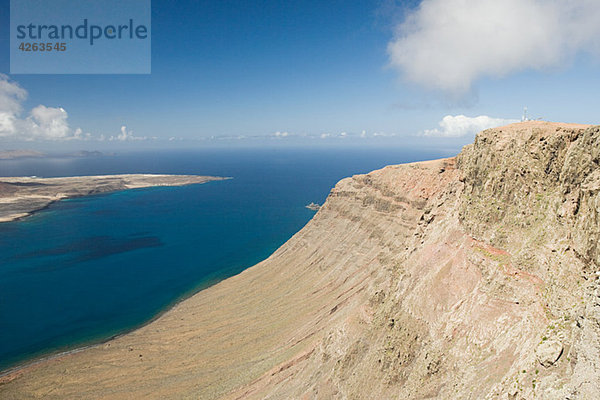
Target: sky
{"points": [[303, 73]]}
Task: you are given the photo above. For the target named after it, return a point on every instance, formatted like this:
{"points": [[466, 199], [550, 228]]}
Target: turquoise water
{"points": [[89, 268]]}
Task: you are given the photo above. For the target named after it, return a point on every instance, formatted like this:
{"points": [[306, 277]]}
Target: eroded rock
{"points": [[548, 352]]}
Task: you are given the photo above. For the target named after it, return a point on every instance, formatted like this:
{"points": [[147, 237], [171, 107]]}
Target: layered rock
{"points": [[471, 277]]}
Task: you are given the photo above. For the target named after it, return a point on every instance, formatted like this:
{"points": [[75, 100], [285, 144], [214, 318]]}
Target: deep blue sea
{"points": [[87, 269]]}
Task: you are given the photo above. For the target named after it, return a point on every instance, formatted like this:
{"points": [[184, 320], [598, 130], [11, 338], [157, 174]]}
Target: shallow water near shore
{"points": [[86, 269]]}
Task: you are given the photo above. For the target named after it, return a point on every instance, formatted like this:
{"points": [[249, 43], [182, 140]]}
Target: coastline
{"points": [[226, 325], [91, 343], [357, 302], [21, 197], [65, 188]]}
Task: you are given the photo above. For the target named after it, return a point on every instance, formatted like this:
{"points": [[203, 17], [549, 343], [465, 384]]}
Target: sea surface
{"points": [[87, 269]]}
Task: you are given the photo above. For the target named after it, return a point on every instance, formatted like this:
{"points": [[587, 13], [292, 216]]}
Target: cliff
{"points": [[470, 277]]}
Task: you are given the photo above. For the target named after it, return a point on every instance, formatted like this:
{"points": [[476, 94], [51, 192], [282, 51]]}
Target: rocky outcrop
{"points": [[466, 278], [534, 190], [548, 352]]}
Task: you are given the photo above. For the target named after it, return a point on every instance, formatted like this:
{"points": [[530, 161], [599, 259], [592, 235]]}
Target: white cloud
{"points": [[87, 136], [11, 97], [382, 134], [449, 44], [126, 135], [460, 125], [49, 123], [341, 135], [281, 134], [45, 123]]}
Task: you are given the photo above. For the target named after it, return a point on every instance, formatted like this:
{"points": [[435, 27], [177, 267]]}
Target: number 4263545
{"points": [[26, 46]]}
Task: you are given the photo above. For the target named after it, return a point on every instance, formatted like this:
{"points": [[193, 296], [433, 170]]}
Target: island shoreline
{"points": [[122, 182], [30, 362]]}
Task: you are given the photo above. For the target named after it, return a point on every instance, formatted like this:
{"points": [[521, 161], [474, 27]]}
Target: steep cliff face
{"points": [[470, 277], [534, 190], [491, 289]]}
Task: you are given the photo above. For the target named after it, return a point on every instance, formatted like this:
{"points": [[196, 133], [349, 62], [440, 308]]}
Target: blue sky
{"points": [[317, 69]]}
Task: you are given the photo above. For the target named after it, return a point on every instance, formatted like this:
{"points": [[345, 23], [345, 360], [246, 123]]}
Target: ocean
{"points": [[90, 268]]}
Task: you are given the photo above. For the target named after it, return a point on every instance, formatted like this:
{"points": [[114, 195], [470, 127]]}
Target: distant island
{"points": [[313, 206], [14, 154], [26, 153], [22, 196]]}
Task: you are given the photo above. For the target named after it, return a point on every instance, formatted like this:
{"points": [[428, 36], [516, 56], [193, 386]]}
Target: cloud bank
{"points": [[449, 44], [460, 125], [42, 123]]}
